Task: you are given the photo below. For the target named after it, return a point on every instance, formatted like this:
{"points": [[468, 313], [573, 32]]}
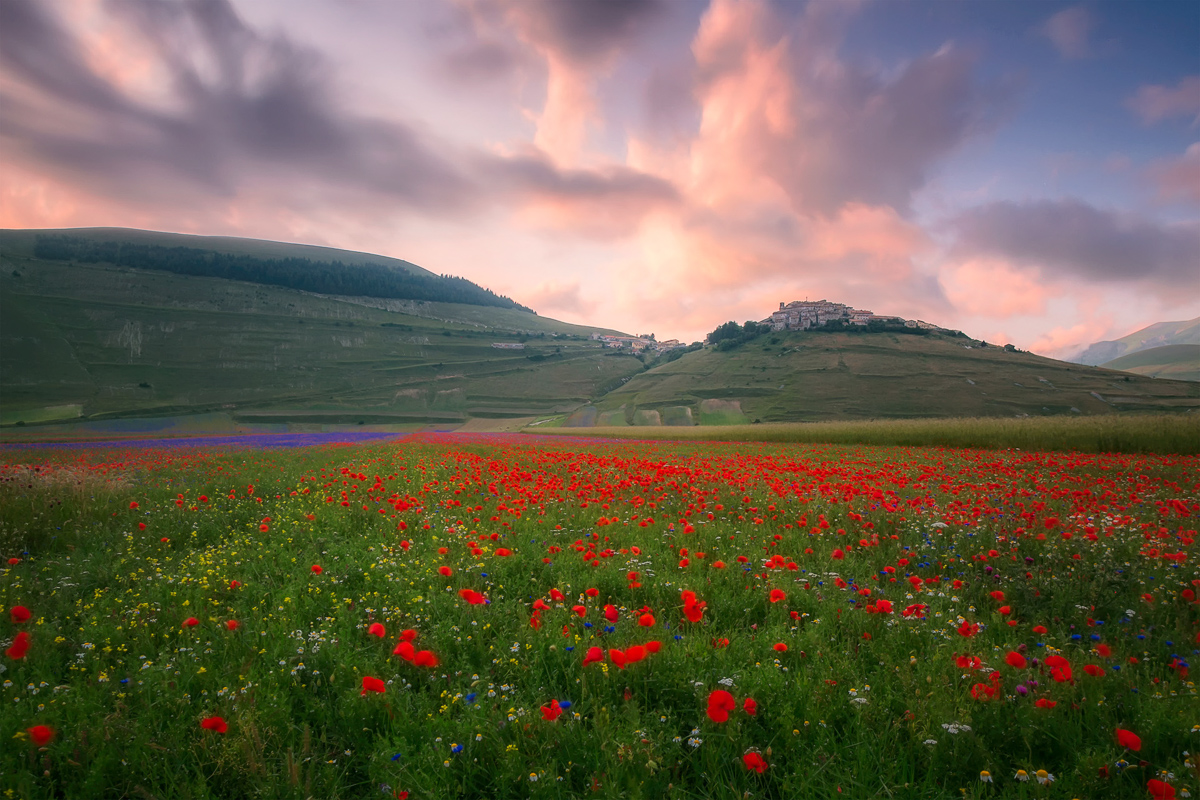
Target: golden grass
{"points": [[1111, 433]]}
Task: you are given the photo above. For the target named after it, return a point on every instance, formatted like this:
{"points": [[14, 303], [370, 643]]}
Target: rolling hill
{"points": [[1179, 362], [94, 340], [826, 375], [1159, 334]]}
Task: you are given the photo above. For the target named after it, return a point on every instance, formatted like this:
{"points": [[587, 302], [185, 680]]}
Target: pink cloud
{"points": [[992, 287], [1069, 31], [1155, 103]]}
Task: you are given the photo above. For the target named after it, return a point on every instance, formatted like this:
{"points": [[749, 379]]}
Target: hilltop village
{"points": [[800, 315]]}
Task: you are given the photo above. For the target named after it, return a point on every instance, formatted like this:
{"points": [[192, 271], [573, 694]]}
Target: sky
{"points": [[1025, 171]]}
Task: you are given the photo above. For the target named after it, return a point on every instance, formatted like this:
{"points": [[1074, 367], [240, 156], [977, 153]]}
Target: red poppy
{"points": [[19, 614], [234, 584], [968, 662], [40, 734], [20, 646], [316, 568], [1016, 660], [580, 611], [617, 657], [653, 647], [232, 624], [998, 596], [610, 613], [719, 643], [755, 762], [214, 724], [503, 551], [1160, 790], [750, 707], [376, 629], [1129, 740], [557, 596], [1042, 702], [1060, 668], [779, 647], [634, 654], [444, 571], [370, 684], [12, 562], [777, 595], [425, 658], [1039, 629], [968, 629], [594, 654], [720, 703], [190, 622], [408, 634], [646, 620], [593, 592], [838, 554], [981, 691], [552, 711], [1093, 670], [405, 650], [916, 610], [471, 596], [1104, 650]]}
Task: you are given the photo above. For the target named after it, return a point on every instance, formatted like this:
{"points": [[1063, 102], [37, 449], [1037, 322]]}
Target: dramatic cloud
{"points": [[240, 105], [243, 115], [1071, 238], [1069, 31], [1156, 103], [778, 102]]}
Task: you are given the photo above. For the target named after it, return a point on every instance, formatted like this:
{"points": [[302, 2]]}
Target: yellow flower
{"points": [[1044, 777], [985, 776], [1022, 775]]}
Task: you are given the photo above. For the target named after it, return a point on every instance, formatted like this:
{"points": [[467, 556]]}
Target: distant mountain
{"points": [[1159, 334], [1180, 362]]}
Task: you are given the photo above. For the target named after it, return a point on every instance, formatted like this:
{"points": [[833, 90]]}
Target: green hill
{"points": [[101, 341], [829, 375], [1159, 334], [21, 243], [97, 340], [1179, 362]]}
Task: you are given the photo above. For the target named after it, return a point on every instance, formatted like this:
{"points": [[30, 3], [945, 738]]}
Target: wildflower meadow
{"points": [[532, 617]]}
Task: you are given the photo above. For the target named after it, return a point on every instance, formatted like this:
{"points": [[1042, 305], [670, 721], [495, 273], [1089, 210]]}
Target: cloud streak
{"points": [[1070, 238]]}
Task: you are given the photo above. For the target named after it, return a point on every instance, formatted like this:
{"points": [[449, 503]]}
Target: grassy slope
{"points": [[1176, 361], [814, 376], [20, 243], [92, 335]]}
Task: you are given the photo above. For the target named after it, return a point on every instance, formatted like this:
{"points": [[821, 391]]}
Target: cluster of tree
{"points": [[874, 326], [731, 335], [323, 277]]}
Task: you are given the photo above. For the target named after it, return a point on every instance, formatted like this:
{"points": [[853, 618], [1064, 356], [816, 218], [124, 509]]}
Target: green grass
{"points": [[1154, 433], [859, 705], [822, 375], [1175, 361], [138, 344]]}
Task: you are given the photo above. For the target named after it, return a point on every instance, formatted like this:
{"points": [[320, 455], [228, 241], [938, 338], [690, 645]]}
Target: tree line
{"points": [[323, 277]]}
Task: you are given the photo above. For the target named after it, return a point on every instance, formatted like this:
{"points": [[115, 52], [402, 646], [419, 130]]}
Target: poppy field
{"points": [[536, 617]]}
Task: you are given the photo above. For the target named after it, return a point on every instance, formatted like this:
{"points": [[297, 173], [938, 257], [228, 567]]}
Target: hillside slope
{"points": [[94, 340], [818, 375], [20, 243], [1159, 334], [1179, 362]]}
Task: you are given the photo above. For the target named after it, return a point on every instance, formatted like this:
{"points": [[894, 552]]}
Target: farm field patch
{"points": [[524, 616]]}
